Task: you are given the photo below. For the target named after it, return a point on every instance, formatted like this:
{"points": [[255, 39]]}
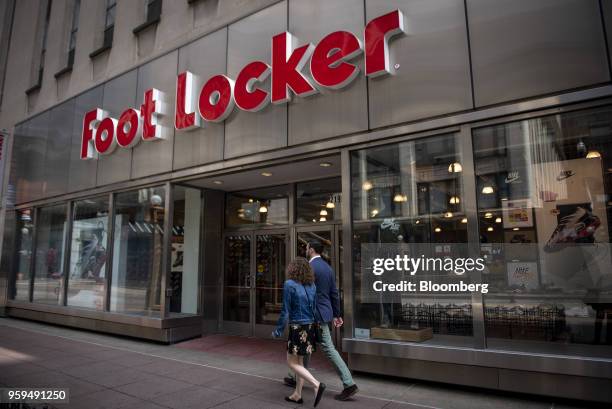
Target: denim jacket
{"points": [[296, 306]]}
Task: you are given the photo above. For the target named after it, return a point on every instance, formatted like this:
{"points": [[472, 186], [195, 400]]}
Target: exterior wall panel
{"points": [[205, 58], [333, 112], [248, 40], [523, 48], [119, 94], [57, 157], [82, 173], [154, 157], [433, 77], [28, 159]]}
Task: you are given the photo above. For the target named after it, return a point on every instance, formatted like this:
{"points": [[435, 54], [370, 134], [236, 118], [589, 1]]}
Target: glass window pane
{"points": [[267, 206], [319, 201], [88, 253], [411, 192], [237, 278], [17, 252], [137, 251], [545, 220], [185, 251], [49, 268]]}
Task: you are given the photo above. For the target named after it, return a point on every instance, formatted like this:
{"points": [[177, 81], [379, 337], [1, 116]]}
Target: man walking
{"points": [[328, 312]]}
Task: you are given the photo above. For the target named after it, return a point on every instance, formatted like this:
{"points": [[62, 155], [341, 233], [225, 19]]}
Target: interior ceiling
{"points": [[281, 174]]}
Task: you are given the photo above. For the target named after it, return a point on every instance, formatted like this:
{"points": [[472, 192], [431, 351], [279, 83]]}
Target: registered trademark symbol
{"points": [[396, 66]]}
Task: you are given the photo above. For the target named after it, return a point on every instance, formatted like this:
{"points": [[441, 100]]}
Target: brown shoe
{"points": [[347, 393]]}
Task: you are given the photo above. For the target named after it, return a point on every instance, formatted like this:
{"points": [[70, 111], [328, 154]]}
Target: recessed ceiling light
{"points": [[266, 174], [487, 190], [464, 220], [489, 228], [325, 164], [498, 220], [217, 182]]}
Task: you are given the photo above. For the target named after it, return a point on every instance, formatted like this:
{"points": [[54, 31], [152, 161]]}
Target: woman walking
{"points": [[299, 294]]}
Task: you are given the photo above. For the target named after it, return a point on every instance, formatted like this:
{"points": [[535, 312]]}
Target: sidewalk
{"points": [[217, 371]]}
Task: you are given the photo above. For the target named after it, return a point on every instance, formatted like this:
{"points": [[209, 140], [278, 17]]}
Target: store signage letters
{"points": [[214, 100]]}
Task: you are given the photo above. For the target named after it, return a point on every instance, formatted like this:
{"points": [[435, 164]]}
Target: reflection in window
{"points": [[185, 251], [49, 261], [544, 208], [88, 253], [266, 206], [410, 192], [319, 201], [17, 252], [137, 251]]}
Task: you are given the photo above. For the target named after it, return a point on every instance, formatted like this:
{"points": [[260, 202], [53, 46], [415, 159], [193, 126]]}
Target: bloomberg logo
{"points": [[213, 101]]}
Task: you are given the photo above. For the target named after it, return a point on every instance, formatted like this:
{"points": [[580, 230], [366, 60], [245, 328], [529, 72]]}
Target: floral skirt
{"points": [[302, 339]]}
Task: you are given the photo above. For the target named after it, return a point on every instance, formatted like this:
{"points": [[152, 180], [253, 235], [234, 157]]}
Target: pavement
{"points": [[216, 371]]}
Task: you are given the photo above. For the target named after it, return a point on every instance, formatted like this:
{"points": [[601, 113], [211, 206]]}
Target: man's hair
{"points": [[299, 270], [316, 245]]}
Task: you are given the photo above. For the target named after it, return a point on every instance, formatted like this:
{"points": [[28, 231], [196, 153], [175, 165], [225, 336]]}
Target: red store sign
{"points": [[214, 100]]}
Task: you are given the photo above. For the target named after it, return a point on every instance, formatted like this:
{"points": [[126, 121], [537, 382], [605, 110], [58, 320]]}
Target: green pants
{"points": [[328, 348]]}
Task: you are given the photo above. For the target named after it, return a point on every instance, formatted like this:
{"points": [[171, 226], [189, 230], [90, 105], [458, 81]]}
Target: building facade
{"points": [[164, 160]]}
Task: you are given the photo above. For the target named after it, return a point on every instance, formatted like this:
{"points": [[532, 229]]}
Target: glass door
{"points": [[270, 262], [330, 236], [254, 273], [237, 283]]}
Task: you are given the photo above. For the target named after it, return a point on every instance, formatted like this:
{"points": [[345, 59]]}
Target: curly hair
{"points": [[299, 270]]}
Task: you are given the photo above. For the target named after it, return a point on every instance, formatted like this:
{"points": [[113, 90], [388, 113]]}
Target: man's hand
{"points": [[337, 322]]}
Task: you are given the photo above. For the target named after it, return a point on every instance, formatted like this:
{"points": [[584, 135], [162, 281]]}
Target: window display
{"points": [[410, 192], [137, 251], [49, 261], [88, 253], [544, 218]]}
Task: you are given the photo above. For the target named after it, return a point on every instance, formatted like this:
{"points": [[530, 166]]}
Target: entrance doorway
{"points": [[269, 215], [254, 273]]}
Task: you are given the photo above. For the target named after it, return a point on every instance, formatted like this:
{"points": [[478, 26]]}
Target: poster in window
{"points": [[517, 213], [523, 275]]}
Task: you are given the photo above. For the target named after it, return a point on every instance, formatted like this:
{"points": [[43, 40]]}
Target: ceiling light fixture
{"points": [[489, 228], [448, 215], [455, 167], [487, 190], [399, 198], [593, 155], [464, 220], [263, 209], [488, 215], [323, 212], [217, 182], [454, 200], [437, 230], [330, 205], [498, 220], [266, 174], [367, 185], [374, 212], [325, 164], [322, 219]]}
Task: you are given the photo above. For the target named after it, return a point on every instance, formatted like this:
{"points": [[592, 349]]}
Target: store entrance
{"points": [[254, 273]]}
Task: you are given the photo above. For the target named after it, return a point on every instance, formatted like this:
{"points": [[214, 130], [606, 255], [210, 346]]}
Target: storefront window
{"points": [[266, 206], [185, 250], [49, 262], [88, 253], [409, 193], [545, 216], [319, 201], [17, 252], [137, 252]]}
